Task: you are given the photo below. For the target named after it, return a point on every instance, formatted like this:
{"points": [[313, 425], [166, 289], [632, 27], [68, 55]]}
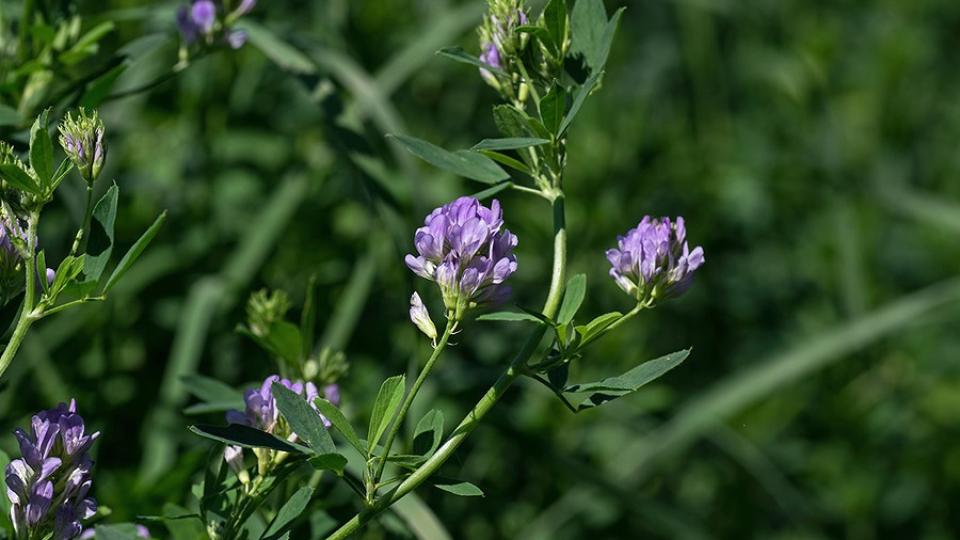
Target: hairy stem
{"points": [[490, 398], [408, 400], [26, 318]]}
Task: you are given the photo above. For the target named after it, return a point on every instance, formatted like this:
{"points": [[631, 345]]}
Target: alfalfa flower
{"points": [[49, 484], [464, 248], [421, 317], [653, 260], [81, 137], [500, 43], [196, 20], [261, 412]]}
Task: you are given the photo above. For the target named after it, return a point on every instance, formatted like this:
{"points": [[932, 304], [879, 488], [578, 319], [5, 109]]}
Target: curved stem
{"points": [[26, 317], [411, 395], [490, 398]]}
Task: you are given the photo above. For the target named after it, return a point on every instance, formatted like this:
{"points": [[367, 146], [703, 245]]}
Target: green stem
{"points": [[80, 242], [490, 398], [408, 400], [26, 318]]}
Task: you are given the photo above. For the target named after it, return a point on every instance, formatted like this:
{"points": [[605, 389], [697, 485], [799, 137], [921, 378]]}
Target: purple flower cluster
{"points": [[48, 486], [199, 20], [653, 260], [261, 412], [261, 407], [498, 39], [81, 137], [464, 247]]}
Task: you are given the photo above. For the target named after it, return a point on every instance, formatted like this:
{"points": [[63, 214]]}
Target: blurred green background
{"points": [[811, 146]]}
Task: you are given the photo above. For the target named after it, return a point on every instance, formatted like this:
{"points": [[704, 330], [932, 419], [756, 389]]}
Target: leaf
{"points": [[627, 383], [290, 511], [491, 191], [462, 162], [303, 420], [509, 143], [457, 54], [329, 462], [41, 149], [582, 93], [285, 341], [463, 489], [42, 271], [69, 268], [277, 50], [100, 241], [384, 407], [308, 318], [508, 161], [593, 329], [552, 108], [135, 251], [19, 179], [555, 20], [591, 32], [512, 123], [211, 390], [339, 421], [510, 316], [572, 298], [428, 434], [247, 437], [119, 531], [9, 116]]}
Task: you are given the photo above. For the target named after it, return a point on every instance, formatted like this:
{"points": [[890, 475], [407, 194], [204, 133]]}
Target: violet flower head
{"points": [[55, 466], [81, 137], [499, 40], [464, 247], [653, 260], [196, 20], [421, 317], [491, 56]]}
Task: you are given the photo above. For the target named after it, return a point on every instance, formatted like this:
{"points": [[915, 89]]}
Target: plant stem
{"points": [[408, 400], [489, 399], [26, 317], [80, 242]]}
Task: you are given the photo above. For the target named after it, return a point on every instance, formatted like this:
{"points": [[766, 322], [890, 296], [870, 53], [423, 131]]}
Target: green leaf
{"points": [[539, 32], [247, 437], [303, 420], [41, 149], [510, 316], [277, 50], [119, 531], [308, 318], [572, 298], [555, 20], [553, 107], [285, 341], [593, 329], [463, 489], [70, 267], [428, 434], [9, 116], [100, 242], [508, 161], [19, 179], [457, 54], [329, 462], [510, 143], [582, 93], [384, 407], [512, 123], [42, 271], [491, 191], [611, 388], [135, 251], [212, 390], [339, 421], [591, 32], [290, 511], [462, 162]]}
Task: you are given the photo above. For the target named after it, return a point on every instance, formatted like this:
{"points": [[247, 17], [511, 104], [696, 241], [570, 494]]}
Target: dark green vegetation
{"points": [[810, 145]]}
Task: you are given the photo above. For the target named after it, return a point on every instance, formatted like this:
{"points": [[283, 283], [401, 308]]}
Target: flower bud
{"points": [[81, 137], [421, 318]]}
